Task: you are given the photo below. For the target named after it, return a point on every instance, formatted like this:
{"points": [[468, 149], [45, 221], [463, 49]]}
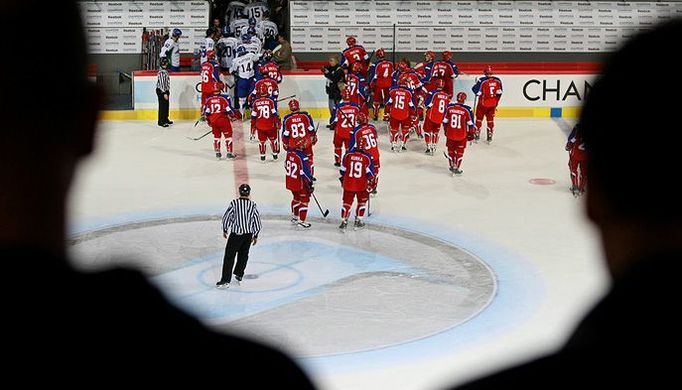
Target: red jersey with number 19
{"points": [[357, 167]]}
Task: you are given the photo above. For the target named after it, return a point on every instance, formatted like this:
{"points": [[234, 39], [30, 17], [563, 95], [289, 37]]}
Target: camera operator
{"points": [[335, 76]]}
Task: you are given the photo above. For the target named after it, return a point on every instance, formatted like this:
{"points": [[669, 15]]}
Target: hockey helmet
{"points": [[350, 41], [361, 118], [177, 32], [447, 55], [164, 62], [380, 53], [403, 65], [345, 95], [246, 38], [210, 54], [430, 55], [440, 83], [356, 68], [251, 30], [252, 21], [218, 86], [461, 97], [244, 190], [226, 31], [488, 70], [301, 143], [241, 50], [262, 89], [294, 105]]}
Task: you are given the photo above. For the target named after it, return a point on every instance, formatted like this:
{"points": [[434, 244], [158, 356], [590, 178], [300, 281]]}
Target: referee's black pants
{"points": [[163, 107], [236, 244]]}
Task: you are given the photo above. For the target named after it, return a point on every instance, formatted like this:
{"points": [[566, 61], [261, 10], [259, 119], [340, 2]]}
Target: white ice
{"points": [[141, 171]]}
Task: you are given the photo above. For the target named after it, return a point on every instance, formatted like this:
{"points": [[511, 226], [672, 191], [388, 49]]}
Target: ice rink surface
{"points": [[453, 276]]}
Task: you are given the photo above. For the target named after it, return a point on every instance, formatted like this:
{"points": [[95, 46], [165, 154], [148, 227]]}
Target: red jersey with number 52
{"points": [[368, 133], [357, 167], [265, 114], [401, 102], [458, 120], [345, 115]]}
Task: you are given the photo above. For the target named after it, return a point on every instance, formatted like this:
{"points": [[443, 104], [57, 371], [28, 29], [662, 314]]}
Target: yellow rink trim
{"points": [[193, 114]]}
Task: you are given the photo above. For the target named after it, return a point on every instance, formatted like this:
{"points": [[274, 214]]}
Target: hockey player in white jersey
{"points": [[234, 11], [256, 9], [267, 26], [243, 70], [237, 25], [249, 45], [208, 43], [254, 32], [171, 50], [226, 48]]}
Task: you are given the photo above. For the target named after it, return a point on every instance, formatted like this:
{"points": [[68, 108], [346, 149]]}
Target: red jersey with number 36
{"points": [[265, 114], [368, 134], [357, 167], [458, 121]]}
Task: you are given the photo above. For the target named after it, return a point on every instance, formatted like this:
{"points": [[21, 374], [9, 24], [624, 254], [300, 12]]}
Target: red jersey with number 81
{"points": [[458, 120]]}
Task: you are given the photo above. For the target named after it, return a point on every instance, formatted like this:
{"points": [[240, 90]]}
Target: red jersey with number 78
{"points": [[265, 114]]}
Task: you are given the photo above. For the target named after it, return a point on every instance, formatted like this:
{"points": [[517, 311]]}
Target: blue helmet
{"points": [[246, 38], [251, 30], [226, 31], [252, 21], [177, 32], [241, 50]]}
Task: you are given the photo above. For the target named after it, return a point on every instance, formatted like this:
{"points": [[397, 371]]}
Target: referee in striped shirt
{"points": [[242, 220], [163, 93]]}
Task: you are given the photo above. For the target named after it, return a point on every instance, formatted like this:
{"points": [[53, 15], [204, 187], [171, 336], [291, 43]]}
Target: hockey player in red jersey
{"points": [[357, 180], [270, 85], [344, 119], [576, 161], [445, 70], [355, 85], [354, 53], [411, 79], [296, 126], [381, 78], [299, 180], [368, 134], [423, 69], [489, 91], [265, 119], [210, 74], [436, 103], [402, 115], [218, 112], [268, 68], [459, 128]]}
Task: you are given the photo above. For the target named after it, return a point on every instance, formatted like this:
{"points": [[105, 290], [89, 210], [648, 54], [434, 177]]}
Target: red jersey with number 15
{"points": [[265, 114], [357, 167], [401, 103]]}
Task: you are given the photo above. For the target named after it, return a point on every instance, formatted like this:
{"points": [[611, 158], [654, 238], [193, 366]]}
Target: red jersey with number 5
{"points": [[357, 167], [458, 121], [401, 103], [295, 126], [265, 114], [344, 118], [436, 104], [489, 90], [368, 133], [297, 170]]}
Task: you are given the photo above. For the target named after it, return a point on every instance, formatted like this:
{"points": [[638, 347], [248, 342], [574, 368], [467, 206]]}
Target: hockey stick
{"points": [[286, 98], [325, 212], [477, 134], [197, 139]]}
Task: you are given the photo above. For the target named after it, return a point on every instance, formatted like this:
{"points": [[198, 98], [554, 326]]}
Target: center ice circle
{"points": [[316, 292]]}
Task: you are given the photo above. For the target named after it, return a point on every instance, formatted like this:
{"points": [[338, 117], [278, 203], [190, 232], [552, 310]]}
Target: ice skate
{"points": [[262, 158], [303, 224], [237, 280], [218, 155], [358, 224], [222, 285], [343, 226], [274, 156], [294, 220], [230, 156]]}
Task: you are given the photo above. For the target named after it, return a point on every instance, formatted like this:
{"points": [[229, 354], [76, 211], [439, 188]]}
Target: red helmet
{"points": [[301, 143], [345, 95], [361, 118], [446, 55], [294, 105], [430, 55], [351, 41], [488, 70], [218, 86], [357, 67], [402, 82], [210, 54], [440, 83], [262, 89], [461, 97], [380, 53], [403, 65]]}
